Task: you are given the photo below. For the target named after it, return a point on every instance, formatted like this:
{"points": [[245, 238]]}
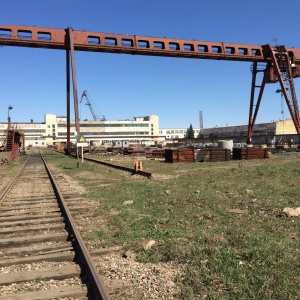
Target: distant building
{"points": [[175, 133], [146, 131], [54, 129], [263, 133]]}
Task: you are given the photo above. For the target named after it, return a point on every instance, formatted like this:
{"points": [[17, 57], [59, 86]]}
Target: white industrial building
{"points": [[141, 130], [175, 133], [144, 131]]}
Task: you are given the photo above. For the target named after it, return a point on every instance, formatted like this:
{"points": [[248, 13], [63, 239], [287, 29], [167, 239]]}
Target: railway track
{"points": [[42, 255], [129, 170], [113, 166]]}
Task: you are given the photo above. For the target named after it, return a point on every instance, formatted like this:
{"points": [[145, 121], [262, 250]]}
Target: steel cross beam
{"points": [[41, 37]]}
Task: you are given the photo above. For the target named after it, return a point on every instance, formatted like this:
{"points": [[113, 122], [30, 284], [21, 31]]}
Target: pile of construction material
{"points": [[156, 153], [190, 154], [249, 153], [213, 154], [134, 151], [149, 152], [186, 154]]}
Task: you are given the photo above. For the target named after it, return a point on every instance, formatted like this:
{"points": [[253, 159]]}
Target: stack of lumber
{"points": [[213, 154], [249, 153], [176, 145], [135, 151], [186, 154], [156, 153]]}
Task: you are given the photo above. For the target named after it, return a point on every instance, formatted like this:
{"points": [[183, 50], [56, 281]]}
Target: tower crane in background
{"points": [[88, 102]]}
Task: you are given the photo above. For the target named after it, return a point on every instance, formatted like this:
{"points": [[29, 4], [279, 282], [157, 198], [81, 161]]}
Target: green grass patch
{"points": [[221, 220]]}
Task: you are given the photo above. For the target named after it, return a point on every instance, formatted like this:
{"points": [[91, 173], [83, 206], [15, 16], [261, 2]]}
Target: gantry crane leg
{"points": [[74, 80], [282, 63], [253, 115]]}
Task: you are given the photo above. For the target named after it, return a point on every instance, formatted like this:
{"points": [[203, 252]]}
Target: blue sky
{"points": [[124, 86]]}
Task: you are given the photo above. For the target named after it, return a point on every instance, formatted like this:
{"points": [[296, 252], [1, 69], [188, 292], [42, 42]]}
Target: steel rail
{"points": [[142, 173], [8, 187], [99, 290]]}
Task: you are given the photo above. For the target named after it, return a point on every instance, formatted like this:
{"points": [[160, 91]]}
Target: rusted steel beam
{"points": [[68, 99], [283, 69], [74, 80], [41, 37], [253, 114], [280, 69], [132, 171]]}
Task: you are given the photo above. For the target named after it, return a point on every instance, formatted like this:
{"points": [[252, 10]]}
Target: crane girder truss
{"points": [[53, 38], [280, 64]]}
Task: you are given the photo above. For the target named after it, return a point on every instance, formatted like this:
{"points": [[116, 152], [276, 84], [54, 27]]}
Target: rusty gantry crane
{"points": [[278, 64]]}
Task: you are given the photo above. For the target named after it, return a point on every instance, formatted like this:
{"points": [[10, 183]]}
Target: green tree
{"points": [[190, 133]]}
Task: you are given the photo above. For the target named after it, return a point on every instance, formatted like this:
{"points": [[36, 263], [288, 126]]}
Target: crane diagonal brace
{"points": [[283, 68]]}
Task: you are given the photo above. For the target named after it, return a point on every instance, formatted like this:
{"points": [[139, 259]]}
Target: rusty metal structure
{"points": [[278, 64], [13, 145]]}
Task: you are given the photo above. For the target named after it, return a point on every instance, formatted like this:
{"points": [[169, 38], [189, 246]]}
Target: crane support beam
{"points": [[253, 114], [75, 94], [41, 37], [283, 67]]}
